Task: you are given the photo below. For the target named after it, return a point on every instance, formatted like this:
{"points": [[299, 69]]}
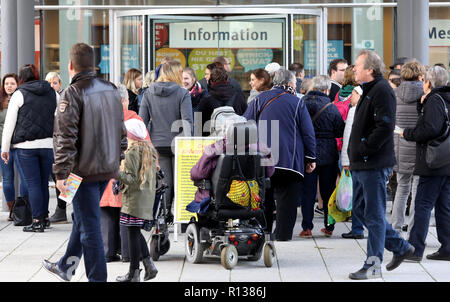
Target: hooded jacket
{"points": [[430, 125], [36, 115], [408, 96], [30, 116], [163, 104]]}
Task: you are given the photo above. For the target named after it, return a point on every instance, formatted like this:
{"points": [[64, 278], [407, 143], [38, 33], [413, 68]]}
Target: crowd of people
{"points": [[116, 137]]}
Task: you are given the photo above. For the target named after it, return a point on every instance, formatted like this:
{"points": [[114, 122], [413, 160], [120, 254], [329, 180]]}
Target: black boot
{"points": [[37, 226], [132, 276], [150, 268], [59, 216]]}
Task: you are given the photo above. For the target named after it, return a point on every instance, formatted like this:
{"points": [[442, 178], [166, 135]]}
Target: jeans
{"points": [[357, 226], [8, 177], [369, 206], [86, 237], [36, 166], [432, 191], [406, 183], [327, 175]]}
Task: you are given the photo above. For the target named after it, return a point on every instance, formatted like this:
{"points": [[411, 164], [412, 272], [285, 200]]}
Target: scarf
{"points": [[287, 88], [346, 91], [196, 90]]}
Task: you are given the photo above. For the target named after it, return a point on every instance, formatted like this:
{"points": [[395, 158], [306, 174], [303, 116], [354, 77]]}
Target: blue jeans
{"points": [[8, 177], [432, 191], [357, 226], [36, 166], [369, 206], [86, 236]]}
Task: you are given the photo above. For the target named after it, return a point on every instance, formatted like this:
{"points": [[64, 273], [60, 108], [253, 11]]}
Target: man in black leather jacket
{"points": [[87, 137]]}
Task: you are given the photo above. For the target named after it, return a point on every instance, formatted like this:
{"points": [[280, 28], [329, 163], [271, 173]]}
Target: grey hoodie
{"points": [[163, 104], [408, 95]]}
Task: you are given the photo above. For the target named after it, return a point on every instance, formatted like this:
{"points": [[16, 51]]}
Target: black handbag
{"points": [[21, 212], [438, 150]]}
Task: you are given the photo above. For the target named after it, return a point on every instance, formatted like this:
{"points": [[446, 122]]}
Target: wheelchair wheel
{"points": [[154, 250], [269, 254], [229, 257], [194, 250]]}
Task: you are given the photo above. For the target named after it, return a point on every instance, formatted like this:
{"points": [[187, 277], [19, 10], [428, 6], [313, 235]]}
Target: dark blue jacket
{"points": [[327, 127], [296, 141]]}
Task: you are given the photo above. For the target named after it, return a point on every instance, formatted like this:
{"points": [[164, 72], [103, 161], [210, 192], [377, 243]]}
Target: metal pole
{"points": [[9, 36], [25, 26], [420, 36], [405, 28]]}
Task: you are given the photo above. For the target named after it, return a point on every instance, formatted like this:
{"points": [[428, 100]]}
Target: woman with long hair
{"points": [[133, 81], [193, 86], [29, 129], [9, 85], [260, 81], [164, 103]]}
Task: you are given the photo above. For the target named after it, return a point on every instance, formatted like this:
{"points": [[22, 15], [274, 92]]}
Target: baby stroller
{"points": [[160, 243], [227, 229]]}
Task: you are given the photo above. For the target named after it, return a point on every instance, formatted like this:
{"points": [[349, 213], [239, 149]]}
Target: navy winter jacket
{"points": [[295, 143], [327, 127]]}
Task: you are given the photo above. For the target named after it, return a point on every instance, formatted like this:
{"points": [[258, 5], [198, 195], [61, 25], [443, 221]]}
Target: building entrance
{"points": [[249, 41]]}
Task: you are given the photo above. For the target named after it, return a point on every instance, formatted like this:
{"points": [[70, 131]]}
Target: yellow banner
{"points": [[188, 151]]}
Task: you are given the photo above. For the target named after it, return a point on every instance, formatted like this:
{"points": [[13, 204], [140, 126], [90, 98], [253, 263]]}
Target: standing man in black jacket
{"points": [[87, 138], [372, 157]]}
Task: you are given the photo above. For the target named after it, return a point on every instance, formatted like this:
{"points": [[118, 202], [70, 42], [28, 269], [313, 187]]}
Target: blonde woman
{"points": [[166, 103], [54, 80], [133, 81]]}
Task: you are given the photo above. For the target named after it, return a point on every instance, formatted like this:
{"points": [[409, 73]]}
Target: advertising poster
{"points": [[188, 151]]}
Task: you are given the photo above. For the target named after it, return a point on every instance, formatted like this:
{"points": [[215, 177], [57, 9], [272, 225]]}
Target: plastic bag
{"points": [[334, 214], [241, 190], [344, 192]]}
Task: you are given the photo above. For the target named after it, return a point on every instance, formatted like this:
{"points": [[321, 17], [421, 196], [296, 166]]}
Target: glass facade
{"points": [[144, 40]]}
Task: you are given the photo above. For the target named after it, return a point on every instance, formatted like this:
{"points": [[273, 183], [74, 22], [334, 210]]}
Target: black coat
{"points": [[133, 101], [327, 127], [371, 144], [220, 95], [430, 125]]}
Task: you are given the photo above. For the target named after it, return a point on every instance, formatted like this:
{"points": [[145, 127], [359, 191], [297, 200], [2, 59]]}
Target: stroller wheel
{"points": [[154, 250], [269, 254], [164, 245], [194, 250], [229, 257]]}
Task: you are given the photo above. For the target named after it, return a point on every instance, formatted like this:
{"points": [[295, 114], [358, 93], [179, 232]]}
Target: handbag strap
{"points": [[446, 132], [316, 116], [267, 104]]}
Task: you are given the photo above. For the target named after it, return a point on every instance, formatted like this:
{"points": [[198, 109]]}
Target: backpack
{"points": [[222, 118]]}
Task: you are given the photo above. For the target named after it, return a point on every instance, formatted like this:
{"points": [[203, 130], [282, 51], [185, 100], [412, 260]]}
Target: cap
{"points": [[399, 61], [273, 67], [136, 129]]}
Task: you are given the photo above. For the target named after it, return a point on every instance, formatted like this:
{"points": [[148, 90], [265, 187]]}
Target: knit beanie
{"points": [[136, 129]]}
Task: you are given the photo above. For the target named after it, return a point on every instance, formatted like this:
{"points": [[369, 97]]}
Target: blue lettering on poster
{"points": [[104, 62], [335, 51], [130, 57]]}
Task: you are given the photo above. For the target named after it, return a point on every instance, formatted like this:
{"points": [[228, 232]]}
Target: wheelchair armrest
{"points": [[204, 184]]}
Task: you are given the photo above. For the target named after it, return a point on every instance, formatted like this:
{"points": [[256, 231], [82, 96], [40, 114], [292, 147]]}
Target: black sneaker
{"points": [[438, 256], [318, 210], [37, 227], [364, 274], [350, 235], [398, 259], [54, 269]]}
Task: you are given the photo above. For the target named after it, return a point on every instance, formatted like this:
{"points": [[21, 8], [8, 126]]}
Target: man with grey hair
{"points": [[283, 118], [372, 157]]}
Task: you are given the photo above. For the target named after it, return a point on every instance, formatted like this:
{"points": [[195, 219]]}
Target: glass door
{"points": [[249, 41]]}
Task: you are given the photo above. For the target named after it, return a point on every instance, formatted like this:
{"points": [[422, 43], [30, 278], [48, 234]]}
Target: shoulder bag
{"points": [[438, 150]]}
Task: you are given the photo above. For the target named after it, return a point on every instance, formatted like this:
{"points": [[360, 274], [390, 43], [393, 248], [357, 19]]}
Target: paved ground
{"points": [[319, 259]]}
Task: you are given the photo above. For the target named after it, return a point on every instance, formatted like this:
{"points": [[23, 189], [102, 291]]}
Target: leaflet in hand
{"points": [[72, 182], [398, 130]]}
